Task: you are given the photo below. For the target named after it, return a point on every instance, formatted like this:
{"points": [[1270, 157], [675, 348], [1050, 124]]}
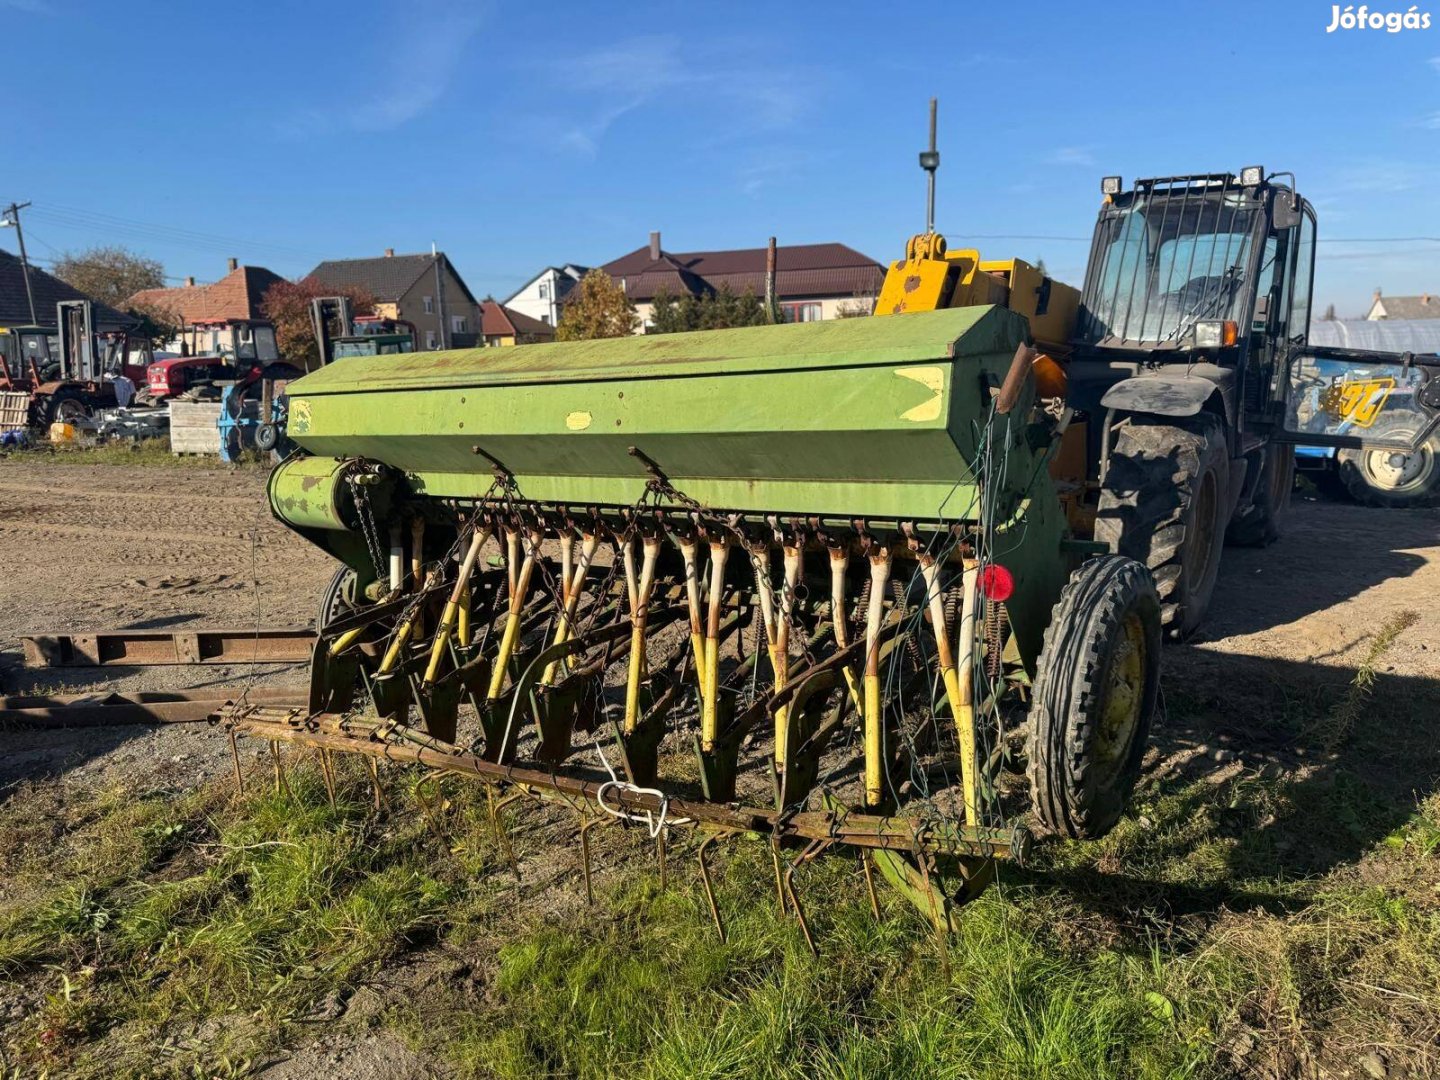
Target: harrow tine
{"points": [[586, 824], [816, 846], [705, 846], [235, 757]]}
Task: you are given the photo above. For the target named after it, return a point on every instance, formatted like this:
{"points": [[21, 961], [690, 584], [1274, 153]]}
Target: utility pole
{"points": [[439, 292], [12, 217]]}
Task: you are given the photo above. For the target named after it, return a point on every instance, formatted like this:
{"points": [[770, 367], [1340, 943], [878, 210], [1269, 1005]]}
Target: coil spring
{"points": [[996, 625]]}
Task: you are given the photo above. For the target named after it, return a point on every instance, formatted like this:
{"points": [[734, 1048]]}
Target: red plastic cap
{"points": [[996, 583]]}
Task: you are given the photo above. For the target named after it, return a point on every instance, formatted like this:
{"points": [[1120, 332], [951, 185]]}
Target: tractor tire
{"points": [[1096, 684], [338, 599], [267, 437], [281, 372], [1163, 503], [1262, 522], [65, 406], [1389, 478]]}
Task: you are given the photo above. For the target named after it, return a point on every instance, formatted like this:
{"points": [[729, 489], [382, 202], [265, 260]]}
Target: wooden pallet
{"points": [[14, 411], [193, 427]]}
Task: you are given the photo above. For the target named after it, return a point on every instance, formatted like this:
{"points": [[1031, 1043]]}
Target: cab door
{"points": [[1352, 398]]}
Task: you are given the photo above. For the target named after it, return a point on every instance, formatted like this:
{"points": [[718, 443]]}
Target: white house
{"points": [[541, 296]]}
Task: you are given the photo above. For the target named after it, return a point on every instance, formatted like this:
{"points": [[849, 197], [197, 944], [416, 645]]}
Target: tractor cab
{"points": [[339, 333], [374, 336], [222, 350]]}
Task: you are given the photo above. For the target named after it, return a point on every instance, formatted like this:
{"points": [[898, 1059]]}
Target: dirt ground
{"points": [[107, 546]]}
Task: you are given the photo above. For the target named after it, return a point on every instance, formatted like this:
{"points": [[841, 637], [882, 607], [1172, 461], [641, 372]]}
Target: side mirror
{"points": [[1262, 310], [1285, 211]]}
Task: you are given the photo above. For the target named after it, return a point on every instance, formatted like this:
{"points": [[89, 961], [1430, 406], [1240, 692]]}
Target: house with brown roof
{"points": [[47, 291], [1424, 306], [812, 281], [208, 311], [425, 290], [501, 325]]}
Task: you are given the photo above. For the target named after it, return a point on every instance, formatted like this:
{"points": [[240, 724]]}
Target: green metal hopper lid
{"points": [[838, 343]]}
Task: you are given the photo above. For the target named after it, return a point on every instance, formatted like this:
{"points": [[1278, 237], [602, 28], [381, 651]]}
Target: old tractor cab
{"points": [[221, 352], [67, 372]]}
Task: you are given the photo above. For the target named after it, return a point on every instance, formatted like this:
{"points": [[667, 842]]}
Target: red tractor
{"points": [[250, 354], [70, 371]]}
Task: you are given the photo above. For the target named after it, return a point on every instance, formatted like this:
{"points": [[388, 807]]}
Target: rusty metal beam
{"points": [[179, 707], [104, 648], [860, 830]]}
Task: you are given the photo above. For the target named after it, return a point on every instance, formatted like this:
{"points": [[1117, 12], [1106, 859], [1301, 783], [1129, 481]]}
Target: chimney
{"points": [[654, 246], [189, 282], [232, 263], [389, 253], [770, 279]]}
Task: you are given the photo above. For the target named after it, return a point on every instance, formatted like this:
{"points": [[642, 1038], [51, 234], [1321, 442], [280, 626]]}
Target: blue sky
{"points": [[516, 135]]}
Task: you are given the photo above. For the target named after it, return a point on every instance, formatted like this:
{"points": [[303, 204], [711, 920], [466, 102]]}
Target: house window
{"points": [[457, 324], [544, 290], [808, 311], [429, 305], [545, 319], [430, 337]]}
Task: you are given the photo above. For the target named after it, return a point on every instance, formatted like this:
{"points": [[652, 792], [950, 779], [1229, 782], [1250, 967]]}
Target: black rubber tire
{"points": [[338, 598], [281, 372], [65, 401], [1262, 522], [1355, 473], [267, 437], [1164, 502], [1077, 788]]}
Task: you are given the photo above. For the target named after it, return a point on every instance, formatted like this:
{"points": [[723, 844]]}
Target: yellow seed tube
{"points": [[521, 581], [639, 614], [452, 605], [874, 720], [710, 687], [839, 563]]}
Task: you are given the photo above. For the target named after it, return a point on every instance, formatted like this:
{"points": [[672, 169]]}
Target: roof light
{"points": [[996, 583], [1252, 176], [1110, 185]]}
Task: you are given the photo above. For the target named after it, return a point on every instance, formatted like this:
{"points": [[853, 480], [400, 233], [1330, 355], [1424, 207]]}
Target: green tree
{"points": [[719, 310], [109, 274], [597, 308], [287, 305]]}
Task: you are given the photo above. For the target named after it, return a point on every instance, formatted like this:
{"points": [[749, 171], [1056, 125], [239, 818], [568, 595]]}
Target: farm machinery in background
{"points": [[339, 334], [68, 372], [1384, 477], [249, 355], [836, 584]]}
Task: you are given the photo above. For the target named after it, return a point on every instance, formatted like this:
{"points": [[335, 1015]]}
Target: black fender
{"points": [[1163, 395]]}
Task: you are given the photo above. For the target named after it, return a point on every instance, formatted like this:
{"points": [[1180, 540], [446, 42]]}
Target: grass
{"points": [[154, 453], [1276, 923]]}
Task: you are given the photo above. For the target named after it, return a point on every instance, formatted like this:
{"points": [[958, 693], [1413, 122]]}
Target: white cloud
{"points": [[1378, 177], [1073, 155], [739, 95], [421, 60]]}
